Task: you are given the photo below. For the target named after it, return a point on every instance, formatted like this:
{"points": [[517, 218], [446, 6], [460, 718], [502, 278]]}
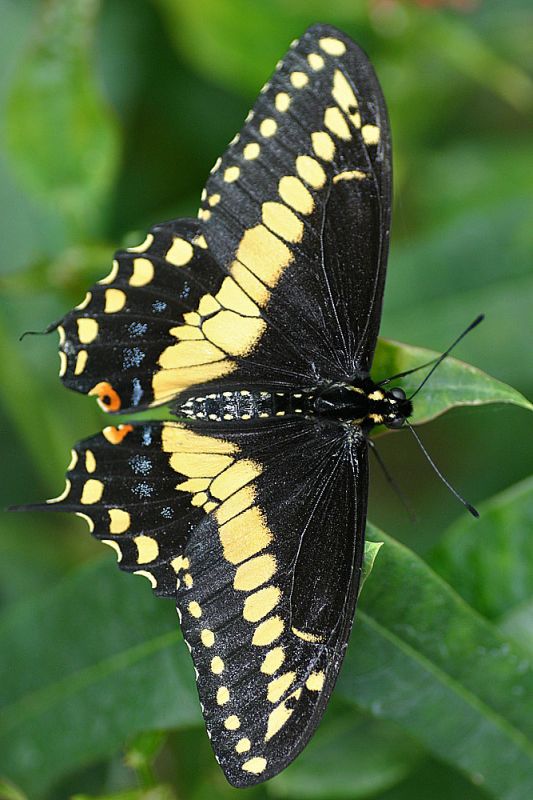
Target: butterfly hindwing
{"points": [[274, 571]]}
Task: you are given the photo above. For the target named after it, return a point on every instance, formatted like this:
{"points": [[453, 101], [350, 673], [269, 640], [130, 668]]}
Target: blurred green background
{"points": [[111, 114]]}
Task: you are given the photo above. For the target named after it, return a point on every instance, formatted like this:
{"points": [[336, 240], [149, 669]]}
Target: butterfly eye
{"points": [[398, 393], [395, 422]]}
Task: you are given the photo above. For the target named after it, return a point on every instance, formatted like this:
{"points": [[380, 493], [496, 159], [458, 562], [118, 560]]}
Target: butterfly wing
{"points": [[298, 208], [274, 573], [259, 534], [280, 281]]}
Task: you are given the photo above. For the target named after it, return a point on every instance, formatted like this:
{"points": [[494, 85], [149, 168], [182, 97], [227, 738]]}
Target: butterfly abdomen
{"points": [[248, 404]]}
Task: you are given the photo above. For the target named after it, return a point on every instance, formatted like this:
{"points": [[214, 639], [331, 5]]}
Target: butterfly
{"points": [[257, 323]]}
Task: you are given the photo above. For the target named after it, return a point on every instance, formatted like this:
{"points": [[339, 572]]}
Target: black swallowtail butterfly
{"points": [[258, 322]]}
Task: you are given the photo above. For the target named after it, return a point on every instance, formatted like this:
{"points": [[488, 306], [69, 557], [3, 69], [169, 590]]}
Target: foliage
{"points": [[112, 114]]}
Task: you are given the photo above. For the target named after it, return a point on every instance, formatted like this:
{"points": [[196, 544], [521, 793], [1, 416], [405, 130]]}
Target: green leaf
{"points": [[479, 262], [350, 756], [371, 551], [420, 657], [453, 384], [62, 137], [490, 560], [518, 624], [96, 656], [237, 43]]}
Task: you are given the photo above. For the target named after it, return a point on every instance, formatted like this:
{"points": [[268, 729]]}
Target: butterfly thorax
{"points": [[362, 403]]}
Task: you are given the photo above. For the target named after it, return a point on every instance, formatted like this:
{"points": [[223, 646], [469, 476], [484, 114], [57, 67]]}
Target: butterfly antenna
{"points": [[435, 361], [44, 332], [390, 480], [473, 511]]}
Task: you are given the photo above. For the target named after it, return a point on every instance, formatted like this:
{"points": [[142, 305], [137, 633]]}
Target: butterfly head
{"points": [[399, 408]]}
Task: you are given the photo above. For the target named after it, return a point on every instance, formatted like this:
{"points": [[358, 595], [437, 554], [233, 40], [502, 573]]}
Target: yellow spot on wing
{"points": [[114, 545], [244, 536], [73, 460], [180, 252], [176, 437], [277, 719], [87, 329], [236, 476], [295, 194], [207, 305], [249, 283], [168, 382], [335, 121], [263, 253], [189, 354], [147, 549], [187, 332], [299, 79], [119, 520], [351, 175], [87, 519], [232, 723], [331, 46], [194, 609], [143, 272], [63, 494], [268, 127], [282, 101], [235, 504], [277, 688], [315, 61], [268, 631], [310, 171], [255, 765], [231, 174], [81, 362], [208, 637], [199, 465], [234, 334], [217, 665], [261, 603], [232, 297], [251, 151], [90, 461], [254, 572], [148, 575], [371, 134], [315, 681], [112, 275], [63, 363], [282, 221], [141, 248], [180, 562], [343, 94], [243, 745], [307, 637], [323, 145], [84, 303], [115, 300], [273, 661], [222, 695], [193, 485], [92, 491]]}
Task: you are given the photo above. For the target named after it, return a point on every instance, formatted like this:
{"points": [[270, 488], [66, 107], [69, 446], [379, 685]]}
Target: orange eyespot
{"points": [[107, 397], [116, 435]]}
